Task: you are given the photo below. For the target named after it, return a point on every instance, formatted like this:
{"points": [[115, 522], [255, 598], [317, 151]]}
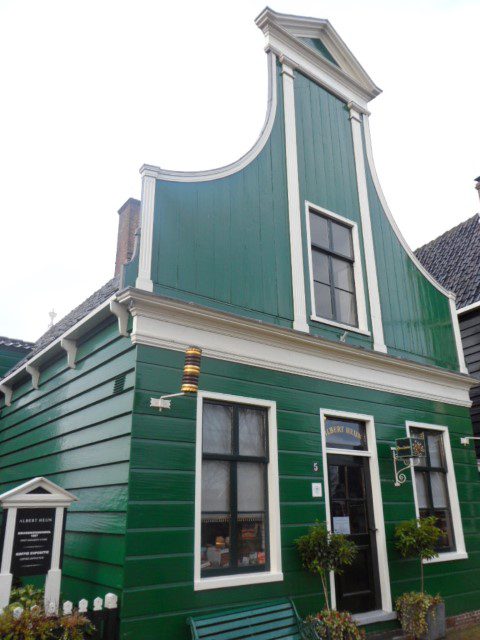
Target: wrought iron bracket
{"points": [[400, 477]]}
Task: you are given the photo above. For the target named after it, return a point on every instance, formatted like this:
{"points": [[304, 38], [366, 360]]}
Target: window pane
{"points": [[343, 274], [252, 432], [215, 486], [319, 230], [356, 485], [342, 239], [345, 434], [435, 449], [215, 550], [217, 428], [445, 524], [250, 487], [439, 489], [323, 301], [345, 306], [320, 265], [422, 495], [418, 433], [336, 482], [251, 540]]}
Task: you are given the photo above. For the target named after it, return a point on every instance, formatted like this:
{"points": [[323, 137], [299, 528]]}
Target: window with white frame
{"points": [[435, 488], [336, 274], [237, 508]]}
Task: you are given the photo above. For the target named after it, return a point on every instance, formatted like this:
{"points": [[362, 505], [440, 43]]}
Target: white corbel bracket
{"points": [[35, 373], [70, 346], [122, 316], [7, 392]]}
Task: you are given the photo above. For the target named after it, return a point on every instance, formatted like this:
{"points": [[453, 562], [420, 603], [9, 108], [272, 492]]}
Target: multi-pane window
{"points": [[332, 265], [432, 487], [234, 489]]}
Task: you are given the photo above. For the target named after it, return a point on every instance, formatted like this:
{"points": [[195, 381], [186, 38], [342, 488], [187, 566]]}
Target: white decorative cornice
{"points": [[70, 346], [241, 163], [166, 323], [35, 373]]}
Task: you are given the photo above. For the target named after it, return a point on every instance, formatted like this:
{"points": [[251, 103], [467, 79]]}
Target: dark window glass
{"points": [[431, 484], [332, 266], [345, 434], [234, 489]]}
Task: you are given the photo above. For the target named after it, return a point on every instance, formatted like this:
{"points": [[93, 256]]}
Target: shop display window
{"points": [[234, 529]]}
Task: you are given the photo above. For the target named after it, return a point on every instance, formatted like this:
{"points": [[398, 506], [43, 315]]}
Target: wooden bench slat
{"points": [[247, 630], [218, 625], [250, 611]]}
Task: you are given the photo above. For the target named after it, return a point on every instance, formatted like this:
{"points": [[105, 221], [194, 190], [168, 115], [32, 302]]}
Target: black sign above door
{"points": [[32, 542]]}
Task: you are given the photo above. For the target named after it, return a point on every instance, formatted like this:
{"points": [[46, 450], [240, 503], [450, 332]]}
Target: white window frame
{"points": [[460, 552], [235, 580], [371, 453], [362, 326]]}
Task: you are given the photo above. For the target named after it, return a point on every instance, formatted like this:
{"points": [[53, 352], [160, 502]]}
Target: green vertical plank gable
{"points": [[225, 242]]}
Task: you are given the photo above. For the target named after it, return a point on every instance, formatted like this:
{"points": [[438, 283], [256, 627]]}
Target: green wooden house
{"points": [[12, 351], [324, 340]]}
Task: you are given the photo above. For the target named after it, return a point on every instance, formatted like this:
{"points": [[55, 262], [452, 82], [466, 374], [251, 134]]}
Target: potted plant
{"points": [[420, 614], [323, 552]]}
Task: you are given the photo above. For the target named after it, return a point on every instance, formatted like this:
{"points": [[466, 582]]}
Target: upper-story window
{"points": [[336, 276], [332, 269]]}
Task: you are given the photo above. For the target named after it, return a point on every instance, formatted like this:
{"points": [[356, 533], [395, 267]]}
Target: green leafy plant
{"points": [[322, 552], [33, 624], [418, 539], [334, 625], [412, 611], [26, 596]]}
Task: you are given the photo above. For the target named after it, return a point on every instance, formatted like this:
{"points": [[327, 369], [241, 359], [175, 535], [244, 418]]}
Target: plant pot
{"points": [[436, 623]]}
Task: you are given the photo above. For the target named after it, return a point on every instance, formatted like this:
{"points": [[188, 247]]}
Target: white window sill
{"points": [[448, 557], [339, 325], [220, 582]]}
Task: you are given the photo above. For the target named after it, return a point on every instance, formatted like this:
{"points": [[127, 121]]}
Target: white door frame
{"points": [[371, 453]]}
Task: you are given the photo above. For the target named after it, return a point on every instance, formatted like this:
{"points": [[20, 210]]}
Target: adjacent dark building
{"points": [[454, 260]]}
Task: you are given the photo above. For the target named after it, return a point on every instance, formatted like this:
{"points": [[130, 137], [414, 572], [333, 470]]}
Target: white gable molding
{"points": [[166, 323], [241, 163]]}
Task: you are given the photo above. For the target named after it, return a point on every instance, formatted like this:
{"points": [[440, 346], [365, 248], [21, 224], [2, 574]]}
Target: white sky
{"points": [[90, 90]]}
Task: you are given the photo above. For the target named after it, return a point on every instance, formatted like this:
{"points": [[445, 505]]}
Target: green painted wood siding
{"points": [[10, 356], [416, 316], [225, 243], [317, 45], [75, 431], [159, 596], [326, 171]]}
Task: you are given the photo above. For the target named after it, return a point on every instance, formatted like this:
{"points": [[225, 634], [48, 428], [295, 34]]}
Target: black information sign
{"points": [[32, 542]]}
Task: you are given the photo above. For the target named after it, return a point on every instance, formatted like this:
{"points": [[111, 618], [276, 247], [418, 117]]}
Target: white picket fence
{"points": [[104, 615]]}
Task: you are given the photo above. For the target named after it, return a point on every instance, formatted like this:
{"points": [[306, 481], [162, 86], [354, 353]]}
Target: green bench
{"points": [[268, 621]]}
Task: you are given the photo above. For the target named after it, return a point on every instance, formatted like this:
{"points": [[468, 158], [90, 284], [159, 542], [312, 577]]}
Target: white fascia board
{"points": [[80, 328], [165, 323], [388, 213], [469, 307], [241, 163]]}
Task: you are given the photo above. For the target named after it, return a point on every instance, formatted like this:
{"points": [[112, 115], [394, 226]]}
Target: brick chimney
{"points": [[128, 222]]}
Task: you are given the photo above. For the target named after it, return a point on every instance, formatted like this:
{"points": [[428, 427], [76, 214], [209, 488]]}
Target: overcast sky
{"points": [[91, 90]]}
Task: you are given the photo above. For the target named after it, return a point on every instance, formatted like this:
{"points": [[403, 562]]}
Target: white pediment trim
{"points": [[52, 496]]}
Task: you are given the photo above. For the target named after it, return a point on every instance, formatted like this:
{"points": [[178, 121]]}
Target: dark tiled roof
{"points": [[454, 260], [15, 343], [70, 319]]}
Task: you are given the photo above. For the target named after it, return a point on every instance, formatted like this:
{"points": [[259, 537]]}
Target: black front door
{"points": [[351, 509]]}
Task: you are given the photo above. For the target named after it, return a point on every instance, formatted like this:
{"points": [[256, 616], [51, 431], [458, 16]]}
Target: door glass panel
{"points": [[358, 517], [342, 239], [319, 231], [345, 434], [217, 428], [252, 432], [336, 478], [323, 300], [215, 486], [321, 267], [343, 274], [421, 486], [435, 449], [345, 306], [356, 487], [439, 489]]}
